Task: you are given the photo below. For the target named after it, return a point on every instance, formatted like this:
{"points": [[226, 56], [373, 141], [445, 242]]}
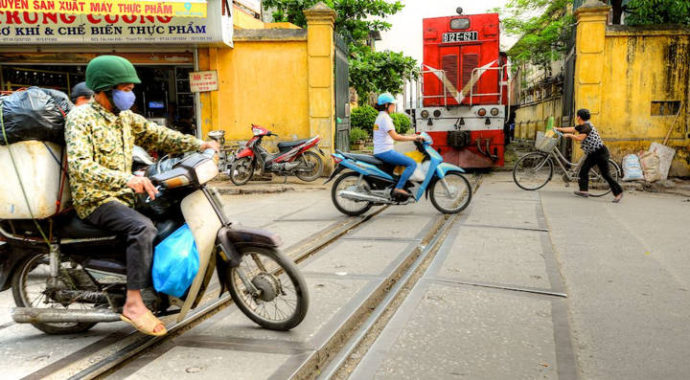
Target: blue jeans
{"points": [[394, 158]]}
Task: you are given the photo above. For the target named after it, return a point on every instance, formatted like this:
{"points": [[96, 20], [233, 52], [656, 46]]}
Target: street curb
{"points": [[241, 191]]}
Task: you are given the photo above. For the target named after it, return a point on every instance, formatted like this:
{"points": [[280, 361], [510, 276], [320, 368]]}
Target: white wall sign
{"points": [[203, 81]]}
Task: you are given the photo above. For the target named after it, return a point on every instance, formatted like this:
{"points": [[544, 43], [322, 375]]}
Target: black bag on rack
{"points": [[35, 114]]}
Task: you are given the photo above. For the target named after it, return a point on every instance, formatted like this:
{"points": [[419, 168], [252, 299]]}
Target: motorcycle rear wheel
{"points": [[284, 299], [346, 206], [36, 270], [308, 159], [241, 171]]}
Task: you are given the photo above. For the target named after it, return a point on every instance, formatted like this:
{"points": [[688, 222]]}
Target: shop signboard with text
{"points": [[36, 28], [169, 8]]}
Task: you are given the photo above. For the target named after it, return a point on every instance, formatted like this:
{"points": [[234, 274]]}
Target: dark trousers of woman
{"points": [[139, 232], [600, 158]]}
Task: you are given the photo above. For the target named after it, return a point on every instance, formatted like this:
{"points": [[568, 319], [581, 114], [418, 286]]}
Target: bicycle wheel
{"points": [[598, 187], [533, 171]]}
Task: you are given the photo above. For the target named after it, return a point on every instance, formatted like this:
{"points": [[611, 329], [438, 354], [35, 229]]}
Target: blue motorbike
{"points": [[370, 181]]}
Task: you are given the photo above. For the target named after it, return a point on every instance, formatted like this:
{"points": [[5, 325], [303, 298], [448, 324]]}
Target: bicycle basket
{"points": [[545, 144]]}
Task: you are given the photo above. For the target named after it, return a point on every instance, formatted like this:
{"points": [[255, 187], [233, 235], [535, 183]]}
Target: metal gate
{"points": [[342, 96], [568, 103]]}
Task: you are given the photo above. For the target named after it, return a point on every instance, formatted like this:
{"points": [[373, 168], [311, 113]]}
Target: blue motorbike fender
{"points": [[441, 170], [445, 167]]}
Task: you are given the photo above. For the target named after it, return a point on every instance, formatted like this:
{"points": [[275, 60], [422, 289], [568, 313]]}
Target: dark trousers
{"points": [[140, 234], [600, 158]]}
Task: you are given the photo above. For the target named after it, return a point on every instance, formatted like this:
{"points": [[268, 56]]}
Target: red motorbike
{"points": [[292, 158]]}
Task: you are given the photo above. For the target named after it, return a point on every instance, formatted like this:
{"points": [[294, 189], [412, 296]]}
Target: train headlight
{"points": [[481, 112], [437, 113], [494, 111], [425, 114]]}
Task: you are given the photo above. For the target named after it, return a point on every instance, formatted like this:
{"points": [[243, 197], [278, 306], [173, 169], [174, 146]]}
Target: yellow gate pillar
{"points": [[320, 62], [590, 44]]}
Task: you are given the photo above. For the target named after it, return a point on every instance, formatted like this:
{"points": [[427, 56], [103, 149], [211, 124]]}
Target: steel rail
{"points": [[139, 342]]}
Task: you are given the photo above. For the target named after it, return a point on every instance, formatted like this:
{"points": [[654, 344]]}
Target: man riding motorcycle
{"points": [[100, 137]]}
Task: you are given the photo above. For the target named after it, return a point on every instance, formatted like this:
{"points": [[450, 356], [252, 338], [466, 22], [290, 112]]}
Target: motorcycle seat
{"points": [[76, 228], [291, 144], [364, 158]]}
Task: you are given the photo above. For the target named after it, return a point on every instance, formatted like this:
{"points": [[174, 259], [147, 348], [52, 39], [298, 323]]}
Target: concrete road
{"points": [[492, 305], [527, 285]]}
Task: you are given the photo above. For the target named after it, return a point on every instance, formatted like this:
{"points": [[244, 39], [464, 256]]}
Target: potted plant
{"points": [[357, 138]]}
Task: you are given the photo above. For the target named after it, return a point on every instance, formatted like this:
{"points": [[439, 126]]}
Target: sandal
{"points": [[581, 194], [402, 192], [146, 324], [617, 198]]}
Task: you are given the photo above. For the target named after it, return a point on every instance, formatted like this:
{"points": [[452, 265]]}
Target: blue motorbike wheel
{"points": [[350, 181], [451, 194]]}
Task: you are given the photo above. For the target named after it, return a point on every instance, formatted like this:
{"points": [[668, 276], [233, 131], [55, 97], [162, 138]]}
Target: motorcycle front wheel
{"points": [[30, 289], [268, 288], [310, 167], [241, 171], [451, 194]]}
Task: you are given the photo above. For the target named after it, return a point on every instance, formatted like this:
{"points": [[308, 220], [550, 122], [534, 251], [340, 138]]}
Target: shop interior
{"points": [[163, 95]]}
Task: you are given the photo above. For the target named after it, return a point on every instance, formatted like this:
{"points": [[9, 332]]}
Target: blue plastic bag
{"points": [[175, 263]]}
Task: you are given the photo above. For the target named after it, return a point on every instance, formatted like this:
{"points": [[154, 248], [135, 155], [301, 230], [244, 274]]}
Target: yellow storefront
{"points": [[275, 75], [52, 46]]}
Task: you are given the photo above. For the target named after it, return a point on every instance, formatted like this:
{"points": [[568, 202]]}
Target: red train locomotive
{"points": [[464, 91]]}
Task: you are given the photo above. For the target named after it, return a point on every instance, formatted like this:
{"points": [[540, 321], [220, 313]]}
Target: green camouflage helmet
{"points": [[107, 71]]}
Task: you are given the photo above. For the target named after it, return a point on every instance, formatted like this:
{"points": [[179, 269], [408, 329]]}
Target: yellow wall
{"points": [[620, 71], [531, 118], [262, 83], [278, 76]]}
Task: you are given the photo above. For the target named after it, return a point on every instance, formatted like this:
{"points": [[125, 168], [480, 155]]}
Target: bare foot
{"points": [[134, 308]]}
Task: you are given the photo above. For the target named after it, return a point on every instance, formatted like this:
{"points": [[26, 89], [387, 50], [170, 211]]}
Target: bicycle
{"points": [[535, 169]]}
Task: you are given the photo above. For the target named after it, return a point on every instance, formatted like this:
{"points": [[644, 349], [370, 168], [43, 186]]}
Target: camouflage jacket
{"points": [[99, 153]]}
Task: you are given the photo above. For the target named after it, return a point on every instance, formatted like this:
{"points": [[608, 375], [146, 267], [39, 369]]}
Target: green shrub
{"points": [[363, 117], [402, 122], [357, 134]]}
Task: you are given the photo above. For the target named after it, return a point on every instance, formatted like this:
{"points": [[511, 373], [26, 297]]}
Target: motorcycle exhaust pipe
{"points": [[39, 315], [354, 196]]}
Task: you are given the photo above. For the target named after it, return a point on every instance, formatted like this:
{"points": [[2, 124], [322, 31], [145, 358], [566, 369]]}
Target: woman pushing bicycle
{"points": [[597, 154]]}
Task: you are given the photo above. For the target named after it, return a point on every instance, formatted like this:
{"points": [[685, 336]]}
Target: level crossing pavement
{"points": [[526, 285]]}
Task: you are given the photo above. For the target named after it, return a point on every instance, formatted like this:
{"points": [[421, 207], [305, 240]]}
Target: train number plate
{"points": [[460, 36]]}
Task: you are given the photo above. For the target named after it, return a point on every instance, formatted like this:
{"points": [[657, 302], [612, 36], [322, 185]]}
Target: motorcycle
{"points": [[292, 158], [79, 278], [370, 181]]}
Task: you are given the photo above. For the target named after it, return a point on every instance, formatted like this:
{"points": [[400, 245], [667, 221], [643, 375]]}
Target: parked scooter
{"points": [[371, 181], [79, 278], [293, 158]]}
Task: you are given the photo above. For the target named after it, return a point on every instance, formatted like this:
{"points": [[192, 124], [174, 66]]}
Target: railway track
{"points": [[106, 357]]}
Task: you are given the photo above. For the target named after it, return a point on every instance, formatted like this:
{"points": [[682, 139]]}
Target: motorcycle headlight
{"points": [[206, 171]]}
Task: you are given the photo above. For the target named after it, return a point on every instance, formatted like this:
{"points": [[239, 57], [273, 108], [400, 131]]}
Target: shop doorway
{"points": [[163, 96]]}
